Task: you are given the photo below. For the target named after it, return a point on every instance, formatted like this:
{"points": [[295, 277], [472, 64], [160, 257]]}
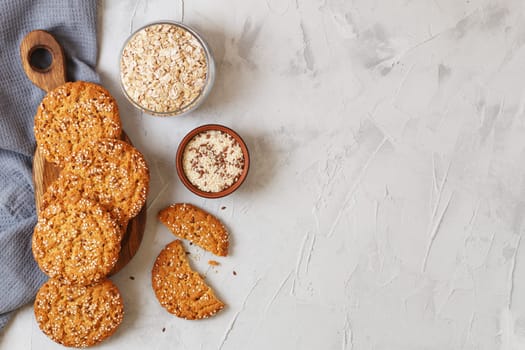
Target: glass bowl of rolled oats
{"points": [[212, 161], [166, 69]]}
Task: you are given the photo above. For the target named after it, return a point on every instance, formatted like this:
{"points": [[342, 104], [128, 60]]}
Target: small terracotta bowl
{"points": [[180, 168]]}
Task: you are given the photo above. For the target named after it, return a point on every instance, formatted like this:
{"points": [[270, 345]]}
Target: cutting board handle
{"points": [[47, 76]]}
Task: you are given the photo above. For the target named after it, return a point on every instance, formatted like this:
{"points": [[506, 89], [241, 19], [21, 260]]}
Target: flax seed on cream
{"points": [[163, 68], [213, 161]]}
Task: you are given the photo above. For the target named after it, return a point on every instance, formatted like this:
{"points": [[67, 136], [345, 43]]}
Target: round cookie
{"points": [[76, 242], [179, 289], [111, 172], [72, 187], [78, 316], [72, 114]]}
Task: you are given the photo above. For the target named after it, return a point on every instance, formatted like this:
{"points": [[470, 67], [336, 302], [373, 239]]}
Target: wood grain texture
{"points": [[49, 78], [44, 173]]}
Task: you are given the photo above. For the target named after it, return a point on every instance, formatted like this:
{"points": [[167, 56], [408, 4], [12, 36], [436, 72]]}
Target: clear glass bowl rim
{"points": [[210, 74]]}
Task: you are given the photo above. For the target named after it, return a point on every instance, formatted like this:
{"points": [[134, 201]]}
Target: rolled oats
{"points": [[163, 68]]}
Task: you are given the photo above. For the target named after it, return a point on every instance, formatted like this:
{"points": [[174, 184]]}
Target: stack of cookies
{"points": [[84, 213], [179, 289]]}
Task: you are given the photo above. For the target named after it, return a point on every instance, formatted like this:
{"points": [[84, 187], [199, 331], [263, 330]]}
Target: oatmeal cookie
{"points": [[78, 316], [76, 242], [179, 289], [111, 172], [72, 114], [194, 224]]}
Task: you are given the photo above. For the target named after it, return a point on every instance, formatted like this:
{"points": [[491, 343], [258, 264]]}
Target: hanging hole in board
{"points": [[40, 59]]}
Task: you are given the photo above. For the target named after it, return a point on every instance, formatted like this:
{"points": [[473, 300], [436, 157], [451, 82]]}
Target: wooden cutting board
{"points": [[44, 173]]}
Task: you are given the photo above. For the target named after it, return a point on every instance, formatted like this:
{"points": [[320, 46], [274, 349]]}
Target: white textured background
{"points": [[384, 208]]}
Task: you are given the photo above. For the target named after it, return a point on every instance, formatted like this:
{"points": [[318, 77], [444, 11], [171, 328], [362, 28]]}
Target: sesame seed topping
{"points": [[178, 288]]}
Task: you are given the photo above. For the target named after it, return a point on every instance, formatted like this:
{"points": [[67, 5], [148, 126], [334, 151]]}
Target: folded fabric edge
{"points": [[4, 318]]}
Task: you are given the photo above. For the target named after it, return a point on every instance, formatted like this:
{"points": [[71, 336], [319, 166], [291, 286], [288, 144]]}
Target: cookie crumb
{"points": [[213, 263]]}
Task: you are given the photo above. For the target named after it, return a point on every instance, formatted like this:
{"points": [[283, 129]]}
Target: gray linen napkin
{"points": [[73, 22]]}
